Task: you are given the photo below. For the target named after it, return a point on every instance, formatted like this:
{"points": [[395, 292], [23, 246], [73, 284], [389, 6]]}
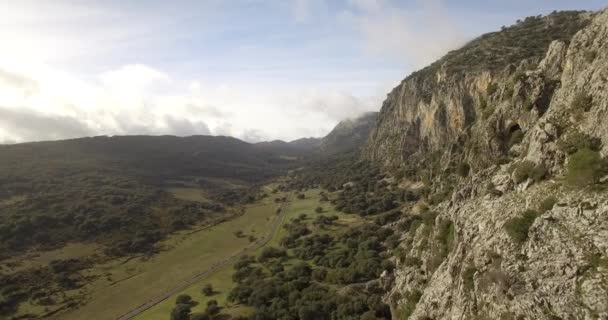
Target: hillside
{"points": [[113, 189], [503, 141], [348, 135]]}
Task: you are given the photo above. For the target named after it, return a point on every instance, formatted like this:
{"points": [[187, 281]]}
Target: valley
{"points": [[478, 191]]}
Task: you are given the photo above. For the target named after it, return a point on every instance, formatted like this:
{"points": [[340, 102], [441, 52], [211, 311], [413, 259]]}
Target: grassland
{"points": [[122, 285], [222, 281]]}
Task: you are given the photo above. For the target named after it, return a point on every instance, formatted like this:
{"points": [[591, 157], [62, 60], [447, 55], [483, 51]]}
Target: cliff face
{"points": [[473, 97], [503, 242]]}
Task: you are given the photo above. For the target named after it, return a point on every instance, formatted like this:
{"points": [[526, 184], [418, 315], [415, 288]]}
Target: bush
{"points": [[585, 167], [271, 253], [590, 56], [412, 262], [483, 103], [468, 277], [491, 88], [582, 102], [577, 141], [547, 204], [528, 169], [183, 299], [208, 290], [463, 169], [181, 312], [318, 209], [412, 299], [518, 227], [319, 274]]}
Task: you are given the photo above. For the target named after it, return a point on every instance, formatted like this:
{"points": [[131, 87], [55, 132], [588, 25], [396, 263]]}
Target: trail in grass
{"points": [[214, 268]]}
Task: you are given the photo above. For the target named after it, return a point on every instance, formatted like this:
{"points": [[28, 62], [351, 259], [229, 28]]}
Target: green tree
{"points": [[208, 289], [183, 299], [212, 308], [181, 312]]}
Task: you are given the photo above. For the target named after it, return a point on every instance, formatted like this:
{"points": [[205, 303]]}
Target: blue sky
{"points": [[255, 69]]}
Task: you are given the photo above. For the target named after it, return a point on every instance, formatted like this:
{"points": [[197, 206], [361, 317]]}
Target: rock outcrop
{"points": [[503, 243]]}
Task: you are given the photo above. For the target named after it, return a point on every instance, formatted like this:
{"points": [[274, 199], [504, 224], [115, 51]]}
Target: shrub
{"points": [[483, 103], [491, 88], [463, 169], [487, 112], [590, 56], [412, 299], [388, 265], [518, 227], [528, 169], [318, 209], [468, 277], [183, 299], [577, 140], [271, 253], [447, 234], [582, 102], [319, 274], [585, 167], [412, 262], [208, 290], [491, 189], [181, 312], [547, 204]]}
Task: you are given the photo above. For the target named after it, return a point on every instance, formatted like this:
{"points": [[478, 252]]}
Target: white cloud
{"points": [[138, 99], [419, 34]]}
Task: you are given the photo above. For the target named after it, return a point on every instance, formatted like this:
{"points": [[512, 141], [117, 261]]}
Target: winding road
{"points": [[214, 268]]}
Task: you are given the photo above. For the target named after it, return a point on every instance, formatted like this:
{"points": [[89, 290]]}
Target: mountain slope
{"points": [[504, 141], [348, 135], [113, 189]]}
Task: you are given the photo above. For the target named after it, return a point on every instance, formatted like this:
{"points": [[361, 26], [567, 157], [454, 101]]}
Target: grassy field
{"points": [[123, 285], [190, 194], [222, 281]]}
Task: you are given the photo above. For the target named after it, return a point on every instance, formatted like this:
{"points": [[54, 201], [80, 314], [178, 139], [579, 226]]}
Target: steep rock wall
{"points": [[560, 268]]}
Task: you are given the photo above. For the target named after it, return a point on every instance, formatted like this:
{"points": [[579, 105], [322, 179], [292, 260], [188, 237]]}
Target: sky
{"points": [[253, 69]]}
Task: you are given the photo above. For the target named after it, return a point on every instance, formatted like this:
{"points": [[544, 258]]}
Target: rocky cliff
{"points": [[504, 140]]}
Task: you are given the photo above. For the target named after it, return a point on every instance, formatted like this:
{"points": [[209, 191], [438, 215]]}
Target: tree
{"points": [[208, 290], [181, 312], [212, 308], [183, 299]]}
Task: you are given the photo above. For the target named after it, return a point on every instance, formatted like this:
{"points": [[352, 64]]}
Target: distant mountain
{"points": [[296, 148], [306, 143], [114, 189], [348, 135]]}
